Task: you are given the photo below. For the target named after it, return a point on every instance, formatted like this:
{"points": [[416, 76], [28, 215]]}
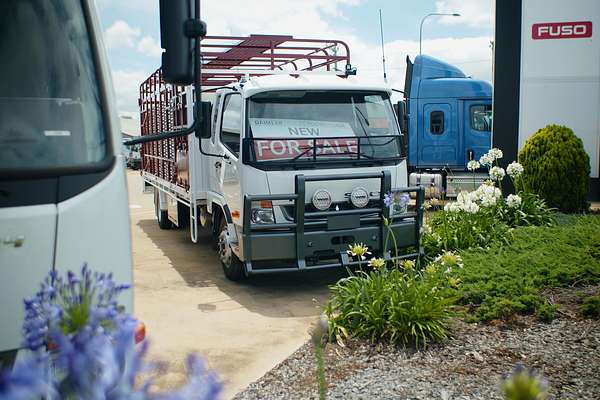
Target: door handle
{"points": [[218, 164]]}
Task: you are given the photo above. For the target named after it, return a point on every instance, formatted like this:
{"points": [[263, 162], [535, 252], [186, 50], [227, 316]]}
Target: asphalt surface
{"points": [[242, 330]]}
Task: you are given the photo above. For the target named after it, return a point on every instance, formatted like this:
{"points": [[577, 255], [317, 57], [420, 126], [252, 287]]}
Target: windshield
{"points": [[50, 114], [322, 126]]}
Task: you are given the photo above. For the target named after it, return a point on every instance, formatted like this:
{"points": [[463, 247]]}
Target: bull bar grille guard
{"points": [[253, 230]]}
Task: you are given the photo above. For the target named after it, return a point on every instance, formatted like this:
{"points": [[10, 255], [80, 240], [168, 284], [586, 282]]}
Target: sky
{"points": [[131, 33]]}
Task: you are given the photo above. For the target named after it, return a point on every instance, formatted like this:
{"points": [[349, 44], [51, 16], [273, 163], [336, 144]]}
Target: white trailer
{"points": [[547, 71], [295, 166], [63, 194]]}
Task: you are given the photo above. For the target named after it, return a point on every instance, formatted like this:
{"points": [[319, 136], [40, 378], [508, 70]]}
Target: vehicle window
{"points": [[319, 125], [231, 127], [50, 111], [215, 117], [436, 122], [481, 117]]}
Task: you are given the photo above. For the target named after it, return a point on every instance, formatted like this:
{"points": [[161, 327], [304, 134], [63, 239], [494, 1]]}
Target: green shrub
{"points": [[532, 211], [508, 279], [401, 305], [460, 230], [591, 307], [556, 167]]}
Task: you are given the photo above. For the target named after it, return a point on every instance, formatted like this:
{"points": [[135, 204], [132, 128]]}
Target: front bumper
{"points": [[317, 240]]}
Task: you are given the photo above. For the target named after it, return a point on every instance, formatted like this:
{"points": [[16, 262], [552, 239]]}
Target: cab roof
{"points": [[310, 81]]}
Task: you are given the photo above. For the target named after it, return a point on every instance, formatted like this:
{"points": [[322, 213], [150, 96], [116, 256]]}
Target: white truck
{"points": [[292, 160], [63, 193]]}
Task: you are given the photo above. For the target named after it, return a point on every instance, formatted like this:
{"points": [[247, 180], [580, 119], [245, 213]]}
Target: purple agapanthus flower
{"points": [[94, 353], [388, 199], [396, 198]]}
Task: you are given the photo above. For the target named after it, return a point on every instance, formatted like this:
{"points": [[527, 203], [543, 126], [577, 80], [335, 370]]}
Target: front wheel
{"points": [[232, 266]]}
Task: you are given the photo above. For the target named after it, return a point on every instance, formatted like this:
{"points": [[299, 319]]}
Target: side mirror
{"points": [[177, 59], [203, 128], [402, 116]]}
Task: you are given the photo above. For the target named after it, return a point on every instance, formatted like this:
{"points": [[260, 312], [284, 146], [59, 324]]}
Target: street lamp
{"points": [[429, 15]]}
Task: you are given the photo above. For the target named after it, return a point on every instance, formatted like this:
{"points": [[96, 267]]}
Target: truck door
{"points": [[229, 141], [477, 122], [214, 147], [63, 198], [439, 139]]}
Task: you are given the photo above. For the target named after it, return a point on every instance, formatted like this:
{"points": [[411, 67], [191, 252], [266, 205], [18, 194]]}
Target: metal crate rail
{"points": [[225, 59], [163, 108]]}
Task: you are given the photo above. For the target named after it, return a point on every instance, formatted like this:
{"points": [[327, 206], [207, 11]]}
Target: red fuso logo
{"points": [[562, 30]]}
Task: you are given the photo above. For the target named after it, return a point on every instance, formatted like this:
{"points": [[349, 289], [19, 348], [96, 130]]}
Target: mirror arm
{"points": [[162, 135], [197, 29]]}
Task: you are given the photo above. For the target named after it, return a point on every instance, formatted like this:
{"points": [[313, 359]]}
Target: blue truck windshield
{"points": [[322, 126], [50, 113]]}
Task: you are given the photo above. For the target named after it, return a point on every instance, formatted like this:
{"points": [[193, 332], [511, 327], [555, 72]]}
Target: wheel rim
{"points": [[225, 249]]}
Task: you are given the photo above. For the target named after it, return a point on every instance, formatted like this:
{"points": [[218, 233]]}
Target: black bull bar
{"points": [[300, 244]]}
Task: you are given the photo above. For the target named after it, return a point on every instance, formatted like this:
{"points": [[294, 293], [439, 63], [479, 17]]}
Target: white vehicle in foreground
{"points": [[288, 169], [63, 194]]}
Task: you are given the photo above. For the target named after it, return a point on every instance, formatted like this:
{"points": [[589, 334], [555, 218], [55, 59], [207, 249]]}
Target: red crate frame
{"points": [[225, 59]]}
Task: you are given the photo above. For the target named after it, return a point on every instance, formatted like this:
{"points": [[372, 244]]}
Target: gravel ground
{"points": [[470, 365]]}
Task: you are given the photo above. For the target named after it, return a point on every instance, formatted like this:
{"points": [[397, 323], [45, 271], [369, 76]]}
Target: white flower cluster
{"points": [[495, 153], [497, 173], [514, 169], [486, 160], [491, 156], [485, 196], [473, 165], [513, 200], [464, 202]]}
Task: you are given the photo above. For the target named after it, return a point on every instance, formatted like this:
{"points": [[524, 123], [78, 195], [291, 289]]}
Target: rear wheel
{"points": [[162, 216], [232, 266]]}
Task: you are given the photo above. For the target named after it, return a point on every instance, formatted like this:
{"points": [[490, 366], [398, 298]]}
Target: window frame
{"points": [[108, 162], [225, 99], [443, 123], [471, 116]]}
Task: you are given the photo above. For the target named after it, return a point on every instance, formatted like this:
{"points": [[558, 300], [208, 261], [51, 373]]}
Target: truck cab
{"points": [[295, 166], [447, 121], [63, 193]]}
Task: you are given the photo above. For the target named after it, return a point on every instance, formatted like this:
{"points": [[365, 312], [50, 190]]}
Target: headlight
{"points": [[359, 197], [321, 199], [262, 212]]}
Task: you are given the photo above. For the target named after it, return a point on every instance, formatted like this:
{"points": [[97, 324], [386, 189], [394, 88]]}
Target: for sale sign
{"points": [[561, 30], [277, 138]]}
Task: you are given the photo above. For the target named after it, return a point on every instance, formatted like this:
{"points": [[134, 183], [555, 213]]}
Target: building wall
{"points": [[560, 78], [541, 81]]}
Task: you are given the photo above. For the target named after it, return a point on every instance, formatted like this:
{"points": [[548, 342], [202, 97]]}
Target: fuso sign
{"points": [[562, 30]]}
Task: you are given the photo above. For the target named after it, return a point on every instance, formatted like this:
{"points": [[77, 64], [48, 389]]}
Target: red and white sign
{"points": [[302, 149], [281, 139], [561, 30]]}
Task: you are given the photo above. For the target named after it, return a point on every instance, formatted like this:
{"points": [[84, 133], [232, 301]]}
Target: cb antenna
{"points": [[382, 47]]}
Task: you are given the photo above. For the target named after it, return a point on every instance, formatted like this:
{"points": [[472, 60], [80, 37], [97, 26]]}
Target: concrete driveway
{"points": [[241, 329]]}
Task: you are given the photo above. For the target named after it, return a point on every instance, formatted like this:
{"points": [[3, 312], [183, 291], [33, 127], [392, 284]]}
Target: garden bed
{"points": [[470, 365], [519, 302]]}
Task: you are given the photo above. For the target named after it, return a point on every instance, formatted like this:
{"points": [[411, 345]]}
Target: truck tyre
{"points": [[162, 216], [232, 266], [163, 220]]}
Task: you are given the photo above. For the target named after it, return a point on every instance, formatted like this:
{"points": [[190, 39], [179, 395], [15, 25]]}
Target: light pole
{"points": [[429, 15]]}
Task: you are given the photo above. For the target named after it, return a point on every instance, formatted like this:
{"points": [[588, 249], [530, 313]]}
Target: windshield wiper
{"points": [[355, 153]]}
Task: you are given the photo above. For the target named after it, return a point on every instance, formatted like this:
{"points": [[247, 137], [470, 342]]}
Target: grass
{"points": [[506, 279]]}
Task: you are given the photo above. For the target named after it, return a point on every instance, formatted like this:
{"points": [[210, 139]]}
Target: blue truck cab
{"points": [[446, 117]]}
